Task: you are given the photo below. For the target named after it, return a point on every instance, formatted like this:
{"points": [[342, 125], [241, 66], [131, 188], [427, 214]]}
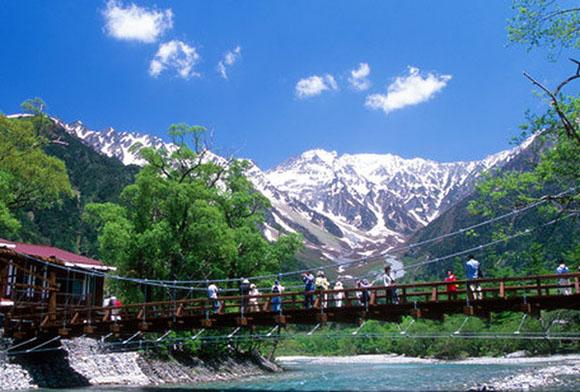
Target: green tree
{"points": [[189, 215], [29, 178], [555, 176], [545, 23]]}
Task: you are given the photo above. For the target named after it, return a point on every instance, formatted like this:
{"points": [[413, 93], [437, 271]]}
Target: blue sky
{"points": [[456, 92]]}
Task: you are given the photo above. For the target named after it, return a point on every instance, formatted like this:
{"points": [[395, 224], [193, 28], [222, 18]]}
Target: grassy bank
{"points": [[338, 340]]}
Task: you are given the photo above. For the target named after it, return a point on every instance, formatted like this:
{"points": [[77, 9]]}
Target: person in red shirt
{"points": [[116, 304], [452, 287]]}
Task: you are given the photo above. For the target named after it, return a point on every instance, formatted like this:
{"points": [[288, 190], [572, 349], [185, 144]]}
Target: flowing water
{"points": [[394, 374]]}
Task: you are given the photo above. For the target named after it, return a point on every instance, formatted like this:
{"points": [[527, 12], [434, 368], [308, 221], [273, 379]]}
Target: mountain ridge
{"points": [[347, 205]]}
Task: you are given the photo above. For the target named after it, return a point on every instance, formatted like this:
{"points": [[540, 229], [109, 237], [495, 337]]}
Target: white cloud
{"points": [[408, 90], [175, 55], [359, 77], [134, 23], [229, 59], [315, 85]]}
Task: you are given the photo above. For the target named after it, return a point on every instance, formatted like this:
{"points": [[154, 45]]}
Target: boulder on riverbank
{"points": [[82, 362]]}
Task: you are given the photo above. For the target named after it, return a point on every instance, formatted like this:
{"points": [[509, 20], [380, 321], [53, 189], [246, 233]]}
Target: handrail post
{"points": [[502, 290], [577, 284], [434, 294], [52, 297]]}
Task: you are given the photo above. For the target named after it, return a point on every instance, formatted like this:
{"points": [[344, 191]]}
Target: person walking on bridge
{"points": [[451, 286], [365, 293], [473, 271], [277, 288], [322, 284], [564, 282], [308, 280], [389, 283], [212, 295], [338, 297], [244, 293], [254, 293]]}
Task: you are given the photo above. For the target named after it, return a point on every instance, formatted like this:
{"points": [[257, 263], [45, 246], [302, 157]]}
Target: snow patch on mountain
{"points": [[350, 205]]}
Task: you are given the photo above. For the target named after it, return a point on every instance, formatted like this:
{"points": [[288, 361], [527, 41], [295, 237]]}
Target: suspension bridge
{"points": [[56, 294], [429, 300]]}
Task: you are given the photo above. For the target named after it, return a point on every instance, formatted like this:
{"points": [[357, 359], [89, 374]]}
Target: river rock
{"points": [[83, 362]]}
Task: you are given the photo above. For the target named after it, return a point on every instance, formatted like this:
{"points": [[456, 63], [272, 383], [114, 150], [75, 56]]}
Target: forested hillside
{"points": [[94, 178], [533, 253]]}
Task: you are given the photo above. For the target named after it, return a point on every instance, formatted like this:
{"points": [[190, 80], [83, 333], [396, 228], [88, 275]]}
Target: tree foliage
{"points": [[555, 177], [551, 24], [29, 178], [189, 215]]}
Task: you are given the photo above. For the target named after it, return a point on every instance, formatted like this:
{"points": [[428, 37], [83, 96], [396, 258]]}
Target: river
{"points": [[380, 373]]}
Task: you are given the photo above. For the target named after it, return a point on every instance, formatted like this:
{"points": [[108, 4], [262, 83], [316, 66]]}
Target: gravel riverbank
{"points": [[83, 363]]}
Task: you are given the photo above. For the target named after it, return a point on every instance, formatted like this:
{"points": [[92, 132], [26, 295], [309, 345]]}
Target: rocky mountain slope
{"points": [[346, 206]]}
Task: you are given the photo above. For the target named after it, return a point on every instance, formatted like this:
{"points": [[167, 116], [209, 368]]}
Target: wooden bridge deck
{"points": [[428, 300]]}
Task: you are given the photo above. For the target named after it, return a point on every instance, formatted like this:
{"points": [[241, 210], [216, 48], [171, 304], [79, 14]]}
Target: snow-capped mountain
{"points": [[113, 143], [347, 205], [364, 203]]}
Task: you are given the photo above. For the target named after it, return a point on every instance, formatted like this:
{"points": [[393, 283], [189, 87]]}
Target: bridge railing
{"points": [[280, 303]]}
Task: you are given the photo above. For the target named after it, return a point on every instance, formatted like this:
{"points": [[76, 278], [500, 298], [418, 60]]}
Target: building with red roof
{"points": [[41, 277]]}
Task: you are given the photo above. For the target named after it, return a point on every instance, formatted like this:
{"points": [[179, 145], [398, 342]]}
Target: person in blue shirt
{"points": [[473, 271], [277, 288], [565, 282], [308, 280]]}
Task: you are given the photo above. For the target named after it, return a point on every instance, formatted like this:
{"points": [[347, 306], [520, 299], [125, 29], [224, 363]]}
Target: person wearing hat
{"points": [[254, 302], [322, 285], [564, 282]]}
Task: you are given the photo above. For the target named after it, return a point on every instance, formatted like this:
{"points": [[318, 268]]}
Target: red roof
{"points": [[47, 252]]}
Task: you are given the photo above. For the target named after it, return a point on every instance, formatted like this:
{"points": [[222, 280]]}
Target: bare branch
{"points": [[569, 127]]}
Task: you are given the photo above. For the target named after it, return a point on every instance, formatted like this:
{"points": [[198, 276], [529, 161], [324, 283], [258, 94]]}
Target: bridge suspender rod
{"points": [[356, 331], [272, 331], [22, 343], [132, 337], [404, 332], [198, 334], [524, 317], [162, 336], [42, 344], [103, 338], [235, 331], [461, 326], [313, 329]]}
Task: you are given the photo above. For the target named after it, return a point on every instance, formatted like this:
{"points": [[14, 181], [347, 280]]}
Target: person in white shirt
{"points": [[389, 283], [565, 282], [338, 297], [212, 295], [254, 304]]}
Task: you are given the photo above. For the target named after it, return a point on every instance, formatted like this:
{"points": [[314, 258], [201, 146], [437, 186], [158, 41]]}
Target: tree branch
{"points": [[569, 127]]}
